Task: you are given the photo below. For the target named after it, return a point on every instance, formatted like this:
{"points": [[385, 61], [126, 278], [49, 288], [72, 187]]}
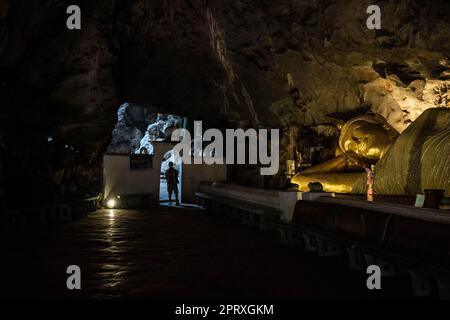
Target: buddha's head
{"points": [[366, 138]]}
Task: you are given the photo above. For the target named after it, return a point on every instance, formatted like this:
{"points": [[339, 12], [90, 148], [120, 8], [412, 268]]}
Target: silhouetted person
{"points": [[172, 181]]}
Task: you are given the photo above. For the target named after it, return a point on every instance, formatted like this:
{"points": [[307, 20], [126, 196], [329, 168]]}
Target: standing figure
{"points": [[172, 182]]}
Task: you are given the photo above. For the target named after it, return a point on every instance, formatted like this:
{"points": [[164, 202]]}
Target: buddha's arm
{"points": [[331, 182], [338, 164]]}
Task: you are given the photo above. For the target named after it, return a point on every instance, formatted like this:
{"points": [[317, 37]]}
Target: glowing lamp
{"points": [[111, 203]]}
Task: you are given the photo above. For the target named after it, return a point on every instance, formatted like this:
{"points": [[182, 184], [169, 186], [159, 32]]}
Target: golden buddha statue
{"points": [[418, 159]]}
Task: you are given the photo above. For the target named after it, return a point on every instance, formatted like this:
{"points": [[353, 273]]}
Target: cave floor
{"points": [[171, 253]]}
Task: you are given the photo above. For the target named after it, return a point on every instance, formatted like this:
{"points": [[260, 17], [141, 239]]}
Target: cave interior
{"points": [[136, 70]]}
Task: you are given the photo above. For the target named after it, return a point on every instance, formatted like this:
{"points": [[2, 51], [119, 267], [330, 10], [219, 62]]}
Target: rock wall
{"points": [[259, 63], [137, 127]]}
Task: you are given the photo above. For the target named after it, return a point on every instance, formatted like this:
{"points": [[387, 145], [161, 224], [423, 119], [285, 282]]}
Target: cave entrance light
{"points": [[163, 190]]}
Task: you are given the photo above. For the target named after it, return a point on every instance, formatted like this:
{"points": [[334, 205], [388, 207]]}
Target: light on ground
{"points": [[111, 203]]}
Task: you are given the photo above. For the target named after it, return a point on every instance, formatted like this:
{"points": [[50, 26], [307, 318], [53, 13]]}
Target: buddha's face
{"points": [[366, 140]]}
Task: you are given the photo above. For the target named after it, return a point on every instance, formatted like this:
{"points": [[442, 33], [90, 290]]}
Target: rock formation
{"points": [[137, 127], [225, 61]]}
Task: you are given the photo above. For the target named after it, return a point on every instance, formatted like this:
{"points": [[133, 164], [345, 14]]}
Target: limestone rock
{"points": [[224, 61], [137, 127]]}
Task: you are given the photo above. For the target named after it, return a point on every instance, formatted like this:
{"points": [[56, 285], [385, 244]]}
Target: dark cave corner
{"points": [[86, 119]]}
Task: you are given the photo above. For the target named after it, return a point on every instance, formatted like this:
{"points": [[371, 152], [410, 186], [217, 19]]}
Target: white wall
{"points": [[120, 180], [193, 174]]}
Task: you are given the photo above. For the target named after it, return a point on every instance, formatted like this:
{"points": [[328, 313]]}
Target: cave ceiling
{"points": [[221, 60]]}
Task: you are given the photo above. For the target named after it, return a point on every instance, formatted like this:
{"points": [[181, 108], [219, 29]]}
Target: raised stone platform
{"points": [[403, 240], [276, 203], [425, 214], [396, 237]]}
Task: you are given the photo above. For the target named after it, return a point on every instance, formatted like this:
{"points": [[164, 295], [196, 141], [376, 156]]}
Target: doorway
{"points": [[163, 192]]}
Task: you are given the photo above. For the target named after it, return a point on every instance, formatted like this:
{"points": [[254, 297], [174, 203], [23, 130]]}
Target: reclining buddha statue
{"points": [[405, 164]]}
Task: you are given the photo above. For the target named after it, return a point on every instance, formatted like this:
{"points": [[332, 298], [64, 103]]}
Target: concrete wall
{"points": [[284, 200], [258, 196], [120, 180], [193, 174]]}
